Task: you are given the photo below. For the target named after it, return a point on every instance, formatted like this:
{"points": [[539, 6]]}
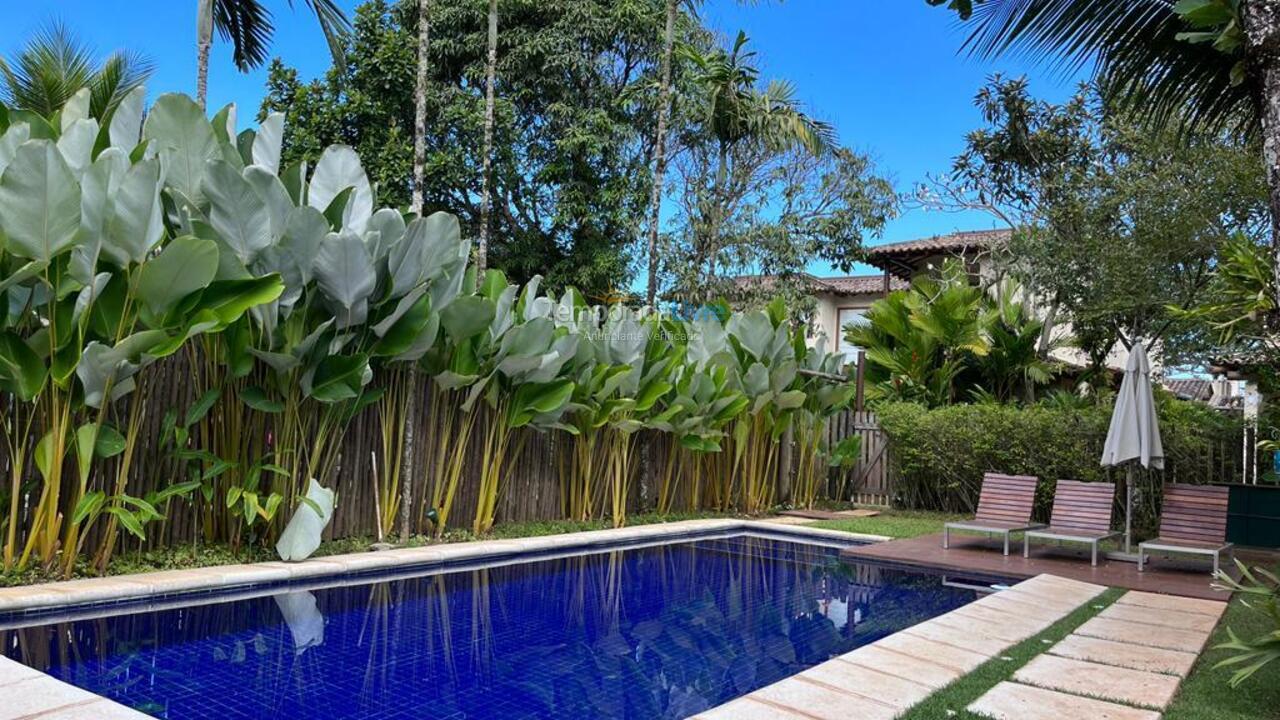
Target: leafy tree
{"points": [[54, 65], [1203, 65], [246, 24], [1116, 225], [765, 187], [571, 127]]}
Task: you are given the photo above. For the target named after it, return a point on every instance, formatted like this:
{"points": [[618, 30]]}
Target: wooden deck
{"points": [[981, 556]]}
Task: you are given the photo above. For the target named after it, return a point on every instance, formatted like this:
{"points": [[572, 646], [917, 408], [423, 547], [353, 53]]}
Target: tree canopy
{"points": [[576, 85]]}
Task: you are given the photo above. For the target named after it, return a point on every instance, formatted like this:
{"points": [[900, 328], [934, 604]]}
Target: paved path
{"points": [[1124, 664]]}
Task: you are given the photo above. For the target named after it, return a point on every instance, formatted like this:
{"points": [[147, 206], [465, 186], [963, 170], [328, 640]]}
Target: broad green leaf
{"points": [[237, 211], [86, 438], [201, 407], [467, 317], [186, 265], [338, 169], [178, 128], [134, 221], [268, 141], [109, 443], [128, 520], [41, 203], [89, 505], [47, 454], [22, 372], [338, 377], [257, 399], [346, 275], [125, 128]]}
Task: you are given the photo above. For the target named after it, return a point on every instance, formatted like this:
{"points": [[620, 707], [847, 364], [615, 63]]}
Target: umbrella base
{"points": [[1122, 556]]}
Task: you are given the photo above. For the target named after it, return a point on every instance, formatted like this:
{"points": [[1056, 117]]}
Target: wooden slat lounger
{"points": [[1192, 521], [1081, 513], [1004, 507]]}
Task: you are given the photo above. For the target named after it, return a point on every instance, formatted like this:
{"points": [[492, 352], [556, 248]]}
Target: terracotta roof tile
{"points": [[941, 243], [847, 285]]}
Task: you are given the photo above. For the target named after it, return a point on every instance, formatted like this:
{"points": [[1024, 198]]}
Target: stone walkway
{"points": [[1124, 664], [882, 680]]}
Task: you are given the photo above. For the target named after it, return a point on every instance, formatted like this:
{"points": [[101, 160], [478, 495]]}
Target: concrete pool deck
{"points": [[879, 680]]}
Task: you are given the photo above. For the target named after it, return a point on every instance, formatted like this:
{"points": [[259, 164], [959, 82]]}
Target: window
{"points": [[849, 316]]}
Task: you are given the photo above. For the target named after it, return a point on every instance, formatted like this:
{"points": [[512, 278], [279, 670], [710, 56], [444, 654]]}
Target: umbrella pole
{"points": [[1128, 510]]}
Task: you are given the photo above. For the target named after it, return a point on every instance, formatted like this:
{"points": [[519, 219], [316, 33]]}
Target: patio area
{"points": [[976, 555]]}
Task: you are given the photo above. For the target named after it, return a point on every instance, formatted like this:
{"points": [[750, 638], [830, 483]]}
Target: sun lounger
{"points": [[1004, 507], [1193, 521], [1081, 513]]}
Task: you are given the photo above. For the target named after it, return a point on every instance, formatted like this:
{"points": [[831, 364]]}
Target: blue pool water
{"points": [[653, 632]]}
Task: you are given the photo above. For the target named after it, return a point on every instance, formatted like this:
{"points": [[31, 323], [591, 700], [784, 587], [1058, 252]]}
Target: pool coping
{"points": [[221, 581]]}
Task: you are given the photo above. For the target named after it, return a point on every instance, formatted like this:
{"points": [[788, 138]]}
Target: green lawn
{"points": [[1205, 694], [951, 701], [892, 523]]}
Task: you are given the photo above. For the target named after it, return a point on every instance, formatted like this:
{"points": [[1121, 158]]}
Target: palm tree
{"points": [[247, 24], [486, 163], [54, 65], [737, 113], [1207, 66]]}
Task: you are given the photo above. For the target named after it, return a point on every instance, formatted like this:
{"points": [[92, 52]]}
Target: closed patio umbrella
{"points": [[1134, 435]]}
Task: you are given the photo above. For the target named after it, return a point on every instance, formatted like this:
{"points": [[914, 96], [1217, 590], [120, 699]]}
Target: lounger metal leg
{"points": [[1142, 557], [1026, 546], [1006, 543], [1094, 558], [1215, 563], [946, 537]]}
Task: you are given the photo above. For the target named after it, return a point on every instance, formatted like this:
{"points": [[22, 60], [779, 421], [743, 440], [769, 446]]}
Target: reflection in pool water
{"points": [[656, 632]]}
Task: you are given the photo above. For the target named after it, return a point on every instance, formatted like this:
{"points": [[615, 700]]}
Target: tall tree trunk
{"points": [[204, 42], [420, 106], [1261, 20], [486, 169], [411, 426], [659, 148]]}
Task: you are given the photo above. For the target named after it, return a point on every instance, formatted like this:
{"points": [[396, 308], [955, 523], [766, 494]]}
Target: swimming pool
{"points": [[660, 631]]}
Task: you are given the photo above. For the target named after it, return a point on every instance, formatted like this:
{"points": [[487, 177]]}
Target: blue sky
{"points": [[886, 73]]}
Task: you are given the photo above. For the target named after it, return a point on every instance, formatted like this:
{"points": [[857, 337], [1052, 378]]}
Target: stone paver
{"points": [[809, 698], [959, 637], [1011, 701], [1171, 602], [1143, 634], [888, 689], [1125, 655], [1164, 618], [1079, 677], [96, 710], [746, 708], [949, 656], [907, 667]]}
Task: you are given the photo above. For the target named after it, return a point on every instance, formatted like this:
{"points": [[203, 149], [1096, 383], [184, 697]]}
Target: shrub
{"points": [[939, 456]]}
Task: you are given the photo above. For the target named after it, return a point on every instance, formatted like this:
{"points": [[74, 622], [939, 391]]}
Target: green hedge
{"points": [[938, 457]]}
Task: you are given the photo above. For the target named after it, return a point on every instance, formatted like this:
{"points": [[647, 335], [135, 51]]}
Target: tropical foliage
{"points": [[292, 306], [948, 340]]}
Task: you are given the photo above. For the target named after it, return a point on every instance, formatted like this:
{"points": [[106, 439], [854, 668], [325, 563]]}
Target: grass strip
{"points": [[1205, 694], [897, 524], [951, 701]]}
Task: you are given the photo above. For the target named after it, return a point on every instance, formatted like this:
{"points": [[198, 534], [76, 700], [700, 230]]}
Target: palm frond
{"points": [[54, 65], [1137, 57], [246, 24]]}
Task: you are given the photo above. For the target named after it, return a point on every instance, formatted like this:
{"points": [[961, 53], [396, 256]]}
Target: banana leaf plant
{"points": [[824, 398], [99, 283]]}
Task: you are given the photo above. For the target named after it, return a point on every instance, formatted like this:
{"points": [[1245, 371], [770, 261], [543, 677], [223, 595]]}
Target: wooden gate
{"points": [[868, 483]]}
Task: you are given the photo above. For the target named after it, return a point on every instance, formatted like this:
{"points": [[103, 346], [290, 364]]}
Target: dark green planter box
{"points": [[1253, 516]]}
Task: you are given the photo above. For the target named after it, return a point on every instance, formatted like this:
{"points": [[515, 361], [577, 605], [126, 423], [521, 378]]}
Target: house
{"points": [[839, 301]]}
